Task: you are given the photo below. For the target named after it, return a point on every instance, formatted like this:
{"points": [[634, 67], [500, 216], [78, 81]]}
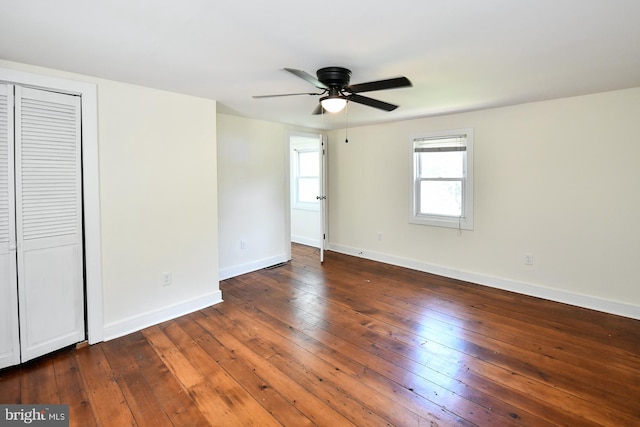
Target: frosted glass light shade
{"points": [[333, 105]]}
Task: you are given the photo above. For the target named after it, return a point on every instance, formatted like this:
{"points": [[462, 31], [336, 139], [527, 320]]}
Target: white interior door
{"points": [[323, 195], [9, 329], [48, 193]]}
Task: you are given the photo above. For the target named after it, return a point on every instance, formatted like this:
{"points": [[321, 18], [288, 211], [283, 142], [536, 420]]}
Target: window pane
{"points": [[309, 163], [445, 164], [308, 190], [441, 198]]}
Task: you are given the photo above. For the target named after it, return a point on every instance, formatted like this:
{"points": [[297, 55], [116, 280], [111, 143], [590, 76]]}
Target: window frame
{"points": [[296, 151], [465, 220]]}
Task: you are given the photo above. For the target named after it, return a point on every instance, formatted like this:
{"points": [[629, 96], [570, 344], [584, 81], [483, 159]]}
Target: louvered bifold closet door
{"points": [[49, 221], [9, 331]]}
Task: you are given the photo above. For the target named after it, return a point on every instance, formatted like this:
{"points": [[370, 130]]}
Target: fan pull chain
{"points": [[346, 127]]}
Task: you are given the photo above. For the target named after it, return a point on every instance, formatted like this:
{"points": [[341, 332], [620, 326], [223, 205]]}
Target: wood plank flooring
{"points": [[351, 342]]}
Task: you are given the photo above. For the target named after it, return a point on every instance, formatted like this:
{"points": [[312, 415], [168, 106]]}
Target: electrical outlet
{"points": [[166, 279], [528, 259], [243, 244], [379, 235]]}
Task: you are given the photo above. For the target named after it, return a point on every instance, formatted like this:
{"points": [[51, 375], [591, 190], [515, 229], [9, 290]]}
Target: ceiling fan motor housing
{"points": [[334, 76]]}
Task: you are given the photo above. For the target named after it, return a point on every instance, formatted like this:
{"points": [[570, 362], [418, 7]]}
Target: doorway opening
{"points": [[308, 200]]}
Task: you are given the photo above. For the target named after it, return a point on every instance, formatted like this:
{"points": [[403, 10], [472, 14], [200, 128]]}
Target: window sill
{"points": [[442, 221]]}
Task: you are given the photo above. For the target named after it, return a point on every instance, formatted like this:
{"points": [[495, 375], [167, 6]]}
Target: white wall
{"points": [[252, 195], [305, 227], [557, 179], [158, 202]]}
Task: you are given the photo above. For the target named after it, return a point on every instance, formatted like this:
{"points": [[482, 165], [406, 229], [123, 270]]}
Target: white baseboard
{"points": [[135, 323], [237, 270], [305, 241], [580, 300]]}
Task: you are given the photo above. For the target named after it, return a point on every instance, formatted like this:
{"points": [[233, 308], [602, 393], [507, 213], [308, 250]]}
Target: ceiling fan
{"points": [[334, 83]]}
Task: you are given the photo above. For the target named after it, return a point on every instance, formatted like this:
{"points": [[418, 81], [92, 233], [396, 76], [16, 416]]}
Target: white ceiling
{"points": [[460, 54]]}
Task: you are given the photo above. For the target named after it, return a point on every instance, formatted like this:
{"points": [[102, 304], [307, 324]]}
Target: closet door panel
{"points": [[49, 221], [9, 331], [51, 299]]}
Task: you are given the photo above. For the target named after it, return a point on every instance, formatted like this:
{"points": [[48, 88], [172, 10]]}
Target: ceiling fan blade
{"points": [[285, 94], [372, 102], [308, 77], [379, 85], [319, 110]]}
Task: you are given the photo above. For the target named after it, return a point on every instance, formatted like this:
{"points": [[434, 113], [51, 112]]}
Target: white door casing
{"points": [[312, 225], [9, 328], [88, 92]]}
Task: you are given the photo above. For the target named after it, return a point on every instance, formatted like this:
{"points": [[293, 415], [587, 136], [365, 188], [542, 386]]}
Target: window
{"points": [[307, 178], [442, 180]]}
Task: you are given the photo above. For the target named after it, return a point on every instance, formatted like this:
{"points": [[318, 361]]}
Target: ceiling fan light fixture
{"points": [[334, 83], [333, 104]]}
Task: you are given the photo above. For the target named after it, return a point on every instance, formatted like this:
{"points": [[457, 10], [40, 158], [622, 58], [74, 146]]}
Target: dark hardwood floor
{"points": [[351, 342]]}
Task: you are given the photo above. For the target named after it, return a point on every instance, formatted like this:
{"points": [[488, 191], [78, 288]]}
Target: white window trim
{"points": [[465, 221], [307, 206]]}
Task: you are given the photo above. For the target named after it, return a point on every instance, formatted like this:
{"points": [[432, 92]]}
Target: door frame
{"points": [[324, 188], [91, 186], [322, 148]]}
